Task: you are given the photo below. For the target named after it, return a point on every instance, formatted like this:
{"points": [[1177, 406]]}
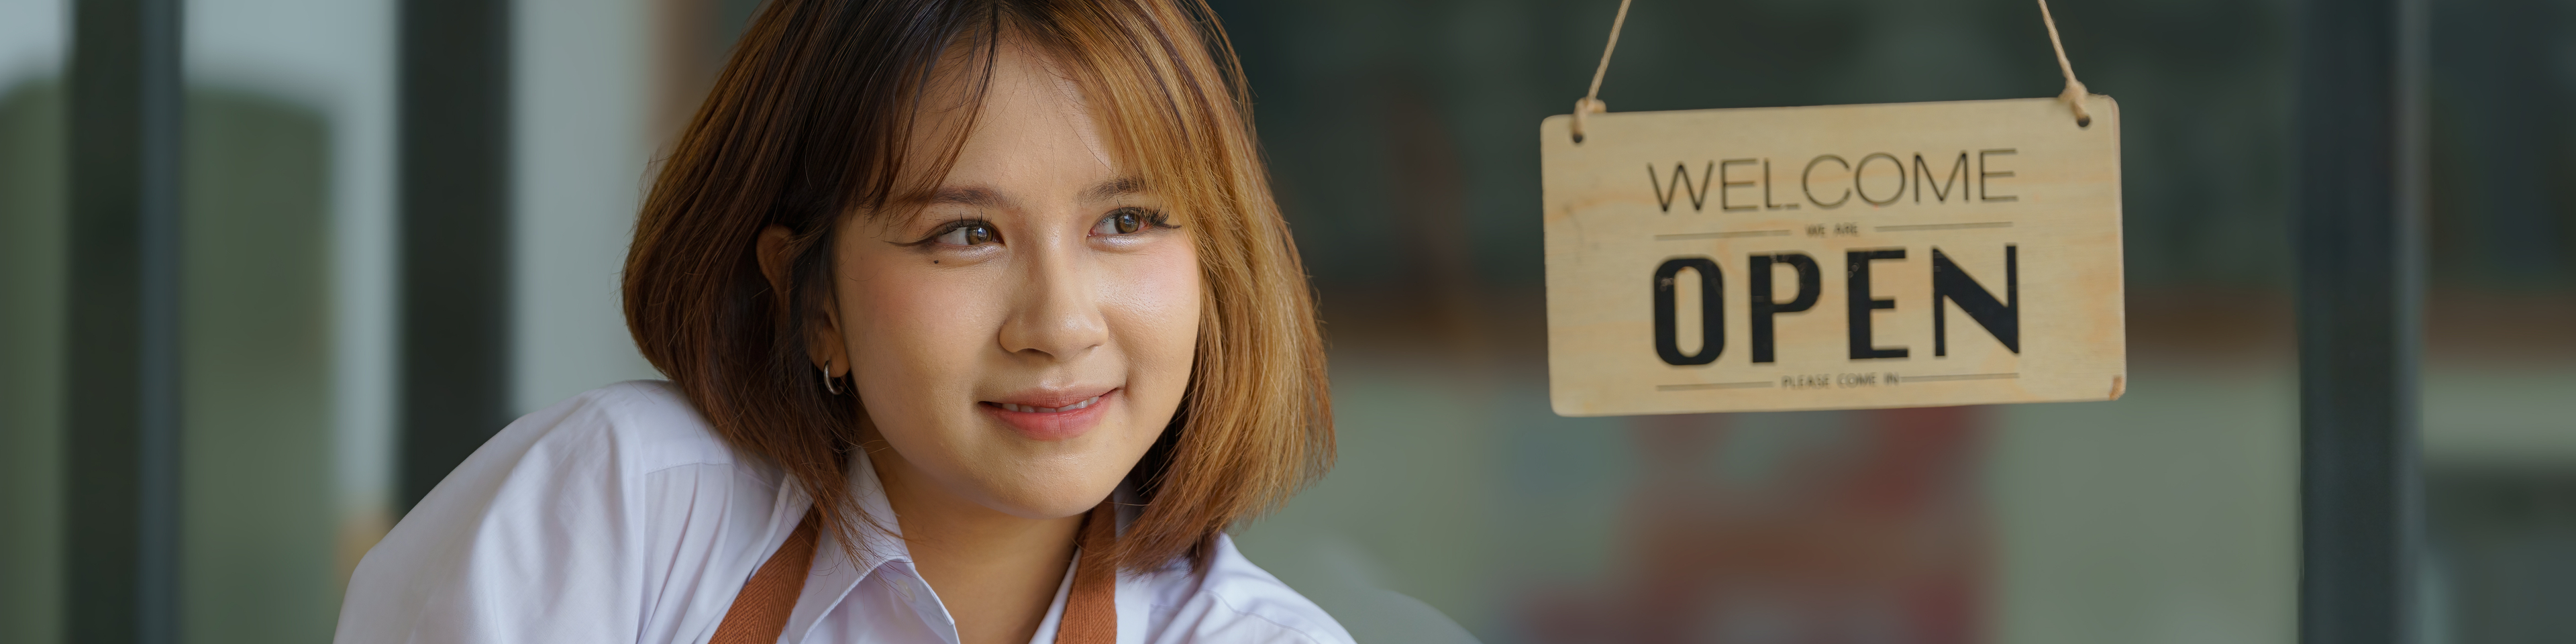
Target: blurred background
{"points": [[1402, 138]]}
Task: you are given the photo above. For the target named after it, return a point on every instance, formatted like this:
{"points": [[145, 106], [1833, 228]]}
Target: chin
{"points": [[1047, 490], [1054, 503]]}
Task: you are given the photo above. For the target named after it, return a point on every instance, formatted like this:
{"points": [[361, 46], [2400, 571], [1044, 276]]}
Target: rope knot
{"points": [[1583, 106], [2075, 92], [1591, 101], [2074, 98]]}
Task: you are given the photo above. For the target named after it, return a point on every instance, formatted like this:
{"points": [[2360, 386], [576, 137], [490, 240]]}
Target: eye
{"points": [[1127, 221], [967, 233]]}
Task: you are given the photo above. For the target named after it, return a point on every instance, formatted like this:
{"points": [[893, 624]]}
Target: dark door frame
{"points": [[2357, 229]]}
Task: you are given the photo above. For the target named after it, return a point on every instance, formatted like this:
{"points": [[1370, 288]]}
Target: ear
{"points": [[776, 251]]}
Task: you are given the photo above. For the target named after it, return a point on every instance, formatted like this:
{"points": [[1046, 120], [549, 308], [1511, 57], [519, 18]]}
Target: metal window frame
{"points": [[122, 381], [2357, 228]]}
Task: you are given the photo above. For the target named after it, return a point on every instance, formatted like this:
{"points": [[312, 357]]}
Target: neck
{"points": [[995, 572]]}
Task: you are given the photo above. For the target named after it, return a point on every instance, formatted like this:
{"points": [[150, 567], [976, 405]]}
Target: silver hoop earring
{"points": [[828, 381]]}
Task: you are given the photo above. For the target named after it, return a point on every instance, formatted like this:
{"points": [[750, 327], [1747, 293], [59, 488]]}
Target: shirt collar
{"points": [[882, 546], [834, 573], [880, 535]]}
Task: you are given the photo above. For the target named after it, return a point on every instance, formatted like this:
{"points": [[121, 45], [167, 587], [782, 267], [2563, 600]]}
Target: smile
{"points": [[1025, 409], [1053, 415]]}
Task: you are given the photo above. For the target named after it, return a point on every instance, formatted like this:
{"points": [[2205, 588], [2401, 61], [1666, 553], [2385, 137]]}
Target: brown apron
{"points": [[760, 612]]}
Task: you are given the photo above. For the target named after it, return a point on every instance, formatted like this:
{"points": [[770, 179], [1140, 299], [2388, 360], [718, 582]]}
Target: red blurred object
{"points": [[1876, 538]]}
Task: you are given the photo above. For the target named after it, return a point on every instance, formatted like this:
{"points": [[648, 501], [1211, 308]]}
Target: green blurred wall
{"points": [[259, 547], [259, 550], [31, 361]]}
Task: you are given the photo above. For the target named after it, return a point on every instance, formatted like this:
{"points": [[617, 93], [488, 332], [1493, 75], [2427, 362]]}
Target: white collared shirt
{"points": [[619, 516]]}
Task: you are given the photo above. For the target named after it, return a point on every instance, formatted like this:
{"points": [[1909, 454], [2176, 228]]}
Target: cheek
{"points": [[910, 334], [1154, 309]]}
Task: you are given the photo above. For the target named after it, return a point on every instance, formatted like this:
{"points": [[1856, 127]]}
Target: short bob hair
{"points": [[808, 127]]}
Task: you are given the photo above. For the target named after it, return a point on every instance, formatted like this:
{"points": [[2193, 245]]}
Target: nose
{"points": [[1056, 309]]}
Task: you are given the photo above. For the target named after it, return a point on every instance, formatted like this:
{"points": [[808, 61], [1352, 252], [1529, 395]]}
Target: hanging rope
{"points": [[2074, 94], [1591, 102]]}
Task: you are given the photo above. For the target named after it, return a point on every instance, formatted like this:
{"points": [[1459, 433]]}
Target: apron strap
{"points": [[759, 614], [1091, 607]]}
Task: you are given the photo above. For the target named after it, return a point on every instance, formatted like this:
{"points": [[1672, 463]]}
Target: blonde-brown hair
{"points": [[810, 121]]}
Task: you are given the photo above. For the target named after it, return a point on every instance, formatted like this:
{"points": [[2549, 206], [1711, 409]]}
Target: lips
{"points": [[1052, 415], [1029, 409]]}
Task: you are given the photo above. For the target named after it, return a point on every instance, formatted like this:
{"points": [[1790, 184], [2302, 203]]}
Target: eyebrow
{"points": [[981, 197], [1114, 188], [966, 196]]}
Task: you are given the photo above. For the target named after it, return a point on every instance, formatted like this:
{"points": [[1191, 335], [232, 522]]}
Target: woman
{"points": [[981, 326]]}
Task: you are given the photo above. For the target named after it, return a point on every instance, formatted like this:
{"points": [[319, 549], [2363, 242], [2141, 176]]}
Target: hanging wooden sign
{"points": [[1835, 257]]}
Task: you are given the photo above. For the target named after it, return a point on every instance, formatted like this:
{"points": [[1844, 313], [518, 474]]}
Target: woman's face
{"points": [[1024, 338]]}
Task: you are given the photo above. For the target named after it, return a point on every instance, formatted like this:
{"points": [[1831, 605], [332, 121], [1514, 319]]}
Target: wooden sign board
{"points": [[1839, 257]]}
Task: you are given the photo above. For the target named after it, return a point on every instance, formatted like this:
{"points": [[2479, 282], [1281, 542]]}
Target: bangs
{"points": [[1162, 105], [1162, 118]]}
